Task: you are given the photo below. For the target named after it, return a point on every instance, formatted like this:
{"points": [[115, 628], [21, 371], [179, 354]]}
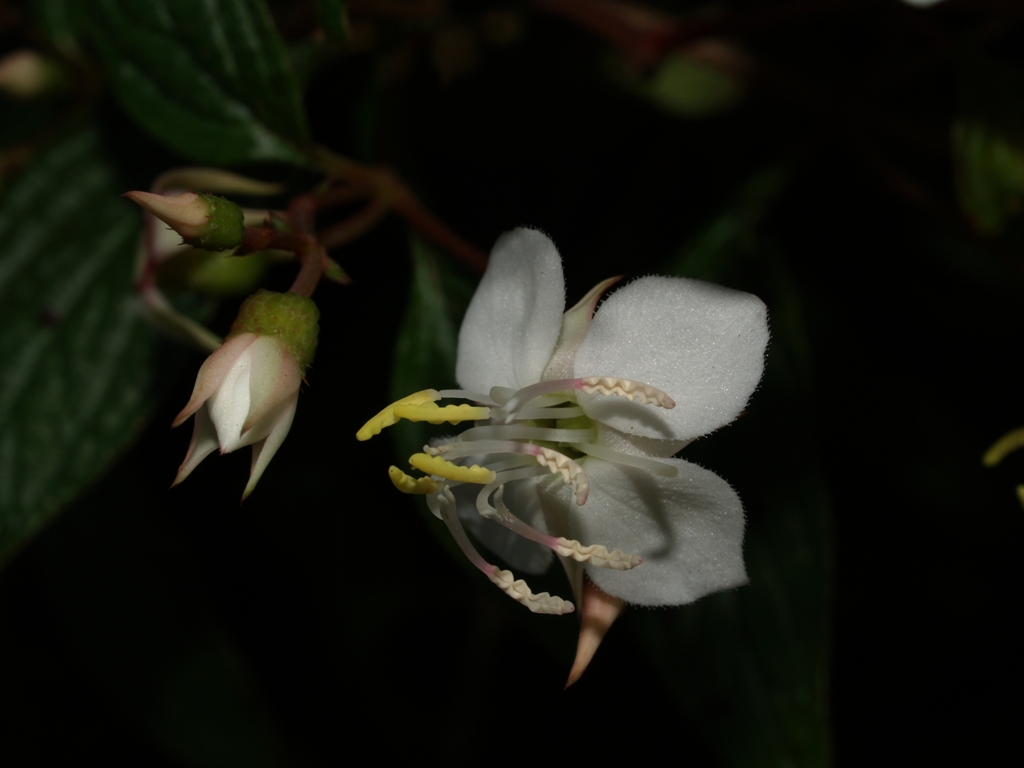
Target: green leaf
{"points": [[210, 79], [682, 85], [751, 666], [74, 382], [988, 142], [58, 21], [333, 20], [989, 175], [428, 339]]}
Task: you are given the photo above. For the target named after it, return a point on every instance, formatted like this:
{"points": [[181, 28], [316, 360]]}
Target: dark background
{"points": [[325, 591]]}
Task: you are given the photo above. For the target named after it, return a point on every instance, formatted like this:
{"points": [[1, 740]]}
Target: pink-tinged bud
{"points": [[24, 74], [247, 390], [203, 221]]}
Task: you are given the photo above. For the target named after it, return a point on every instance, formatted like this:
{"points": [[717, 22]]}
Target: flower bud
{"points": [[203, 221], [246, 391], [24, 74], [290, 318]]}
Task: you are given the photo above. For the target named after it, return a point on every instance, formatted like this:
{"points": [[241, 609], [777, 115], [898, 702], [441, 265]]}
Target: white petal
{"points": [[518, 553], [273, 382], [213, 371], [229, 404], [263, 451], [700, 343], [637, 445], [688, 529], [203, 443], [512, 323]]}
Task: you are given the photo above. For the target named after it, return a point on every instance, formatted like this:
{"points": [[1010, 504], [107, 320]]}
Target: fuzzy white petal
{"points": [[273, 382], [512, 323], [688, 529], [229, 404], [204, 442], [700, 343], [263, 451]]}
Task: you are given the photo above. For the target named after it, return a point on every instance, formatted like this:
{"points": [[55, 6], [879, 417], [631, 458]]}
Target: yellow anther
{"points": [[435, 465], [408, 484], [435, 414], [1007, 443], [387, 417]]}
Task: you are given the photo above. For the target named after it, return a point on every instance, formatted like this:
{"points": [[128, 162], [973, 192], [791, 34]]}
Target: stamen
{"points": [[631, 390], [460, 450], [435, 465], [526, 394], [595, 554], [640, 462], [555, 462], [501, 395], [572, 473], [1004, 445], [569, 412], [521, 432], [504, 580], [435, 414], [415, 485], [518, 590], [387, 418], [462, 394]]}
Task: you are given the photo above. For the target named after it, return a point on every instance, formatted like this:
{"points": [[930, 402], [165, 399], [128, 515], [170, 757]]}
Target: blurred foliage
{"points": [[860, 166], [209, 79], [77, 378]]}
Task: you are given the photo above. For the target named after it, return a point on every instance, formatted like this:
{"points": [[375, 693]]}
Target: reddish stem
{"points": [[312, 268]]}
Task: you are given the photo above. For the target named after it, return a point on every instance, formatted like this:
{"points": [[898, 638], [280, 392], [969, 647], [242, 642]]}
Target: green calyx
{"points": [[285, 316], [224, 228]]}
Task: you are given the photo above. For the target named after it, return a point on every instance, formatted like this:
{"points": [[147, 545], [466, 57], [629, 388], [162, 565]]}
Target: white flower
{"points": [[246, 391], [578, 415]]}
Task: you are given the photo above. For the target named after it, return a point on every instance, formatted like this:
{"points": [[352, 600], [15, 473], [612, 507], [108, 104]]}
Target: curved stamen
{"points": [[568, 412], [640, 462], [408, 484], [463, 394], [522, 432], [595, 554], [435, 465], [555, 462], [571, 472], [631, 390], [518, 590], [387, 418], [504, 580], [436, 414], [532, 392]]}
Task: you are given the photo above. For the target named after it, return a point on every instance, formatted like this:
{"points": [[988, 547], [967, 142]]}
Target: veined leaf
{"points": [[75, 356], [208, 78]]}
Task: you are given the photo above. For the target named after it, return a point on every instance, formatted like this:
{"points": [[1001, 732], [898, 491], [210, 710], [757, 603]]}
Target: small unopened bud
{"points": [[288, 317], [203, 221], [24, 74]]}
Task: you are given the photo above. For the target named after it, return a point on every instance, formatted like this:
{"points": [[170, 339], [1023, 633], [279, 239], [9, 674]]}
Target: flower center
{"points": [[518, 434]]}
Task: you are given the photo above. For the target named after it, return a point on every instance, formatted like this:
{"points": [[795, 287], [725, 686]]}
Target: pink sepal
{"points": [[212, 373], [274, 380], [204, 442]]}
